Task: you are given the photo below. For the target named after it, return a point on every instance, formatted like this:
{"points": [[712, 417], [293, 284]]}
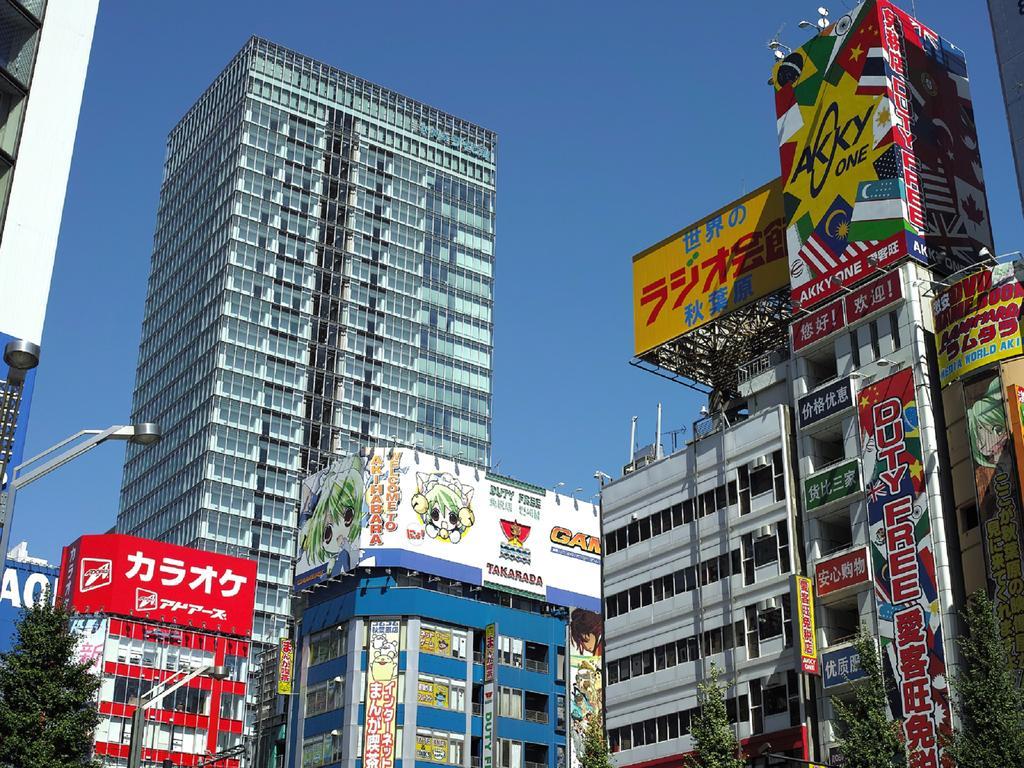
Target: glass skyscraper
{"points": [[321, 279]]}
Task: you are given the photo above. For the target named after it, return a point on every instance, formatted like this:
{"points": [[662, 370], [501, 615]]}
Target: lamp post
{"points": [[154, 696], [20, 357], [145, 433]]}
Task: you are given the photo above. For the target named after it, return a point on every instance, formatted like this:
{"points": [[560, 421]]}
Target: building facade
{"points": [[1007, 19], [324, 253], [700, 552], [458, 625], [44, 54], [151, 615], [25, 581]]}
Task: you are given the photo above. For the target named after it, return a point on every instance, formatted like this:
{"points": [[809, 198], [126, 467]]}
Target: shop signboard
{"points": [[850, 569], [834, 484], [824, 403], [381, 694]]}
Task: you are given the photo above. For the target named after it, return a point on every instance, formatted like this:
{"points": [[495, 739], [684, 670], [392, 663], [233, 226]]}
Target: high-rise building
{"points": [[44, 54], [1007, 17], [322, 276]]}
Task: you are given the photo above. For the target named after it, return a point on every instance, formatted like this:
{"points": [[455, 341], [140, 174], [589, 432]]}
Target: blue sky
{"points": [[618, 124]]}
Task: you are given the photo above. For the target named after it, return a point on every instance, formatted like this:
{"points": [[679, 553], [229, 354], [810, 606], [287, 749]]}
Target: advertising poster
{"points": [[906, 591], [977, 320], [285, 666], [488, 712], [129, 576], [722, 262], [92, 635], [808, 632], [436, 641], [400, 507], [586, 663], [999, 507], [878, 152], [381, 695]]}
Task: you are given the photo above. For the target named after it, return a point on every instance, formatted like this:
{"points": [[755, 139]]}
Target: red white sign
{"points": [[808, 633], [128, 576], [874, 297], [842, 571], [864, 259], [818, 325]]}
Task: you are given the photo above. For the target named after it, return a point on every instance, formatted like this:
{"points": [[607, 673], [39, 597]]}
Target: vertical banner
{"points": [[586, 651], [906, 590], [381, 695], [808, 632], [998, 497], [490, 723], [285, 665]]}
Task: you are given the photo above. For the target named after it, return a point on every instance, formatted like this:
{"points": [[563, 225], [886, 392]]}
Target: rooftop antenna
{"points": [[632, 439], [657, 436]]}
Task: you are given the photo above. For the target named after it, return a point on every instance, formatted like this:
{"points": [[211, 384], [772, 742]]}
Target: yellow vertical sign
{"points": [[285, 665]]}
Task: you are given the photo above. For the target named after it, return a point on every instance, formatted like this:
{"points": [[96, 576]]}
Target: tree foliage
{"points": [[714, 741], [989, 704], [47, 699], [595, 747], [868, 738]]}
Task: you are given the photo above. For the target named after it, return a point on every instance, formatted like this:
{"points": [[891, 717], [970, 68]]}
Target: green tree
{"points": [[595, 747], [714, 742], [988, 702], [47, 708], [868, 738]]}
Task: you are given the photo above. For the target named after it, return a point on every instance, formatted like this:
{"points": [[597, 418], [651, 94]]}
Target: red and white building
{"points": [[152, 612]]}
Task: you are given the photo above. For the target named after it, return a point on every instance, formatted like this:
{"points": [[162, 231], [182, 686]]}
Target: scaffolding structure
{"points": [[708, 358]]}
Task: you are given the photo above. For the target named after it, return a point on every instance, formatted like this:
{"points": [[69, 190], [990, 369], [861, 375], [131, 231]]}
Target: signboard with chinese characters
{"points": [[840, 666], [403, 508], [903, 564], [874, 297], [838, 482], [381, 694], [822, 404], [817, 326], [91, 634], [285, 666], [586, 653], [999, 504], [977, 320], [840, 572], [127, 576], [877, 161], [808, 647], [724, 261], [488, 712]]}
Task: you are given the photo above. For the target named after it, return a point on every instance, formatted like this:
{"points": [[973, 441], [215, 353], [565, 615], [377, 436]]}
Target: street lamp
{"points": [[145, 433], [154, 696]]}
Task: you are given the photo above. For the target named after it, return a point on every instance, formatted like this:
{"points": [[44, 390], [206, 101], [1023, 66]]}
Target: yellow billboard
{"points": [[722, 262]]}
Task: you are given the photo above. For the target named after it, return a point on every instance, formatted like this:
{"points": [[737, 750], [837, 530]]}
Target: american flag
{"points": [[937, 194]]}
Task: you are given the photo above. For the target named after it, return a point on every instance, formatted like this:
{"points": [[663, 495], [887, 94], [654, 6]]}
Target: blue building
{"points": [[391, 634], [24, 582]]}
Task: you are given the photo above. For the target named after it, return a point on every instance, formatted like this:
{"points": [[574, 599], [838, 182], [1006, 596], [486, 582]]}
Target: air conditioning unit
{"points": [[764, 531], [761, 461]]}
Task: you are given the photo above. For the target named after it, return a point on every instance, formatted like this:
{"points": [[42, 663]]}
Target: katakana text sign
{"points": [[878, 151], [128, 576], [903, 563], [381, 695], [724, 261]]}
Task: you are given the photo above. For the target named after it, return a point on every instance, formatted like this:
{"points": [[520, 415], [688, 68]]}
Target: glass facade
{"points": [[322, 277]]}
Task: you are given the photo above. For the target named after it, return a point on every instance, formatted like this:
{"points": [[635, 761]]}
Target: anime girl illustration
{"points": [[989, 437], [333, 512], [444, 506], [586, 630]]}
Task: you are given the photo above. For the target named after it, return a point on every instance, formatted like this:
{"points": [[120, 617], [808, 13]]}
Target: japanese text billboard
{"points": [[999, 507], [285, 666], [128, 576], [724, 261], [903, 562], [586, 700], [808, 648], [405, 508], [381, 695], [489, 728], [977, 320], [879, 152]]}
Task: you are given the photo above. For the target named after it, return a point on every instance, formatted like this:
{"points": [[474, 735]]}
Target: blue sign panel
{"points": [[23, 584], [824, 403], [840, 666]]}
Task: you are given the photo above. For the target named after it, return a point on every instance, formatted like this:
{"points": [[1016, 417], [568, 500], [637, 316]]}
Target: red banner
{"points": [[841, 571], [818, 325], [873, 297], [139, 578]]}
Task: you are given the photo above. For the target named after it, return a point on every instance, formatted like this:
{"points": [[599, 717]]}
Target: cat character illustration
{"points": [[444, 506]]}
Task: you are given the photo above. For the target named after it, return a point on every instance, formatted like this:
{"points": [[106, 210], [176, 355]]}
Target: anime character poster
{"points": [[331, 517], [381, 694], [586, 665], [999, 507], [906, 587]]}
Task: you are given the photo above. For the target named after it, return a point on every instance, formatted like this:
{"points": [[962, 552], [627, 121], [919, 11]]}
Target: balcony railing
{"points": [[478, 657], [475, 761], [537, 666], [478, 708], [536, 716], [528, 764]]}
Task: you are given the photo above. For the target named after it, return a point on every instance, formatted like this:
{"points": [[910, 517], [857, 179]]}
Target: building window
{"points": [[325, 696], [322, 749], [510, 754], [510, 702], [327, 645], [510, 651], [443, 641], [440, 746], [441, 692]]}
